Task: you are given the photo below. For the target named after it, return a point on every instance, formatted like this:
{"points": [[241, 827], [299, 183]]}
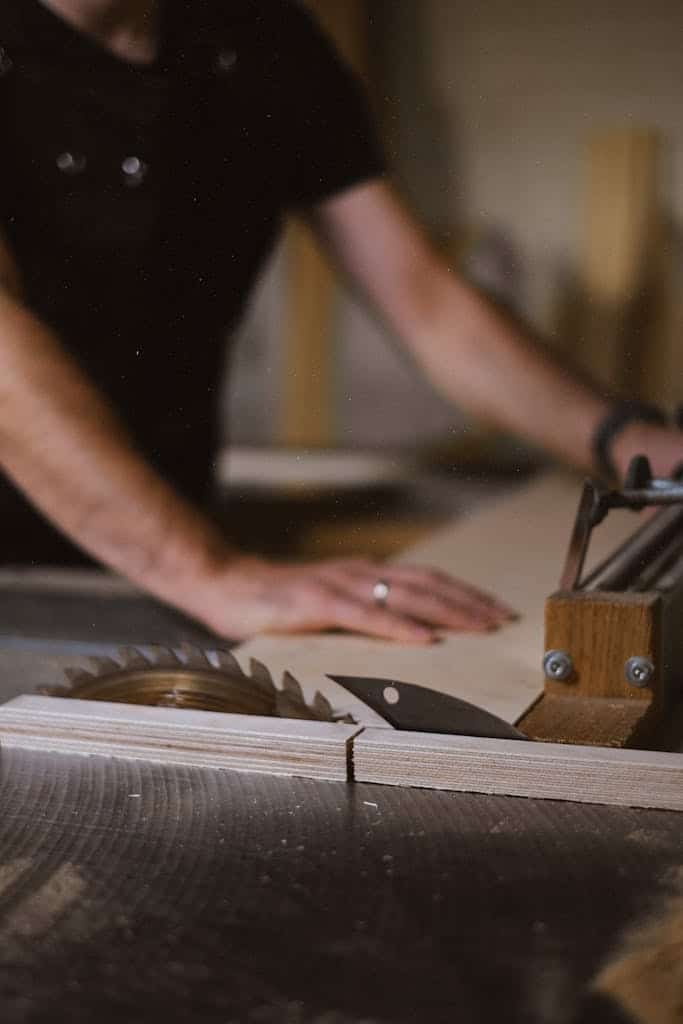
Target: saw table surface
{"points": [[142, 893]]}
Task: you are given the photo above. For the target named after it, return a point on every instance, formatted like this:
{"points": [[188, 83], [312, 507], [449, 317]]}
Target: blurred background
{"points": [[541, 145]]}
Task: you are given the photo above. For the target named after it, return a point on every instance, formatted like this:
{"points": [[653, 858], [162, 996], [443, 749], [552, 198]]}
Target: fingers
{"points": [[446, 584], [320, 605], [431, 609], [338, 595], [425, 594], [380, 623]]}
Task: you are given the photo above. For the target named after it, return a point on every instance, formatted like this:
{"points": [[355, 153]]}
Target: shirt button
{"points": [[226, 61], [134, 170], [6, 62], [71, 163]]}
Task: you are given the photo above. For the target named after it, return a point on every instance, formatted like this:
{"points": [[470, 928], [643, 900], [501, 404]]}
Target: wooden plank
{"points": [[623, 221], [306, 411], [306, 385], [274, 746], [629, 778], [515, 549]]}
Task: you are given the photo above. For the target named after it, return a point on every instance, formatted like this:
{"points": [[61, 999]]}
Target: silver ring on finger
{"points": [[380, 593]]}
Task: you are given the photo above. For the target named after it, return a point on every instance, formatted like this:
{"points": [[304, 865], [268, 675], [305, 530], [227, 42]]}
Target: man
{"points": [[150, 149]]}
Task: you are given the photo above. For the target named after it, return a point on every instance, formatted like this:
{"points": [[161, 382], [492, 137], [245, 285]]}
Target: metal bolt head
{"points": [[639, 672], [558, 666]]}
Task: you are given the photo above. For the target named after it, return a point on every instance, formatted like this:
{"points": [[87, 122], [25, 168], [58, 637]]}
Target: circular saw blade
{"points": [[191, 678]]}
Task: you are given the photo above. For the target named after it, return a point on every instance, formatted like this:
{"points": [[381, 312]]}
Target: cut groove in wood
{"points": [[630, 778]]}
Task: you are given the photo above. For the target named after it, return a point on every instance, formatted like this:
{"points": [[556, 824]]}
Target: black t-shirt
{"points": [[141, 202]]}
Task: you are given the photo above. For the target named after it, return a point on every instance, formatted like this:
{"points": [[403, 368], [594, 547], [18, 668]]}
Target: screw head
{"points": [[639, 672], [558, 666]]}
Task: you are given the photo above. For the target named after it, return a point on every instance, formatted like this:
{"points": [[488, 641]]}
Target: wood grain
{"points": [[307, 385], [275, 746], [623, 219], [633, 778]]}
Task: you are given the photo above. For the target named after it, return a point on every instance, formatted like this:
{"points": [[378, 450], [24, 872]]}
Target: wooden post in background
{"points": [[307, 387], [621, 239]]}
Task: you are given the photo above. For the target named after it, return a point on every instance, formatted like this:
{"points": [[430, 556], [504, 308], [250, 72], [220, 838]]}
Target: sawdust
{"points": [[646, 976], [11, 872], [649, 838], [36, 915]]}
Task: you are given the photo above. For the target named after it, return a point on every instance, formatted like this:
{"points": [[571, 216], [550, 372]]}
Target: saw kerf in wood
{"points": [[613, 640]]}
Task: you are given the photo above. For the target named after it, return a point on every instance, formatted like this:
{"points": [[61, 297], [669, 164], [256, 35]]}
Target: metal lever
{"points": [[641, 490]]}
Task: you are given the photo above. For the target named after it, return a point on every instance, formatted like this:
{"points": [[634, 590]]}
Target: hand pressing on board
{"points": [[407, 604]]}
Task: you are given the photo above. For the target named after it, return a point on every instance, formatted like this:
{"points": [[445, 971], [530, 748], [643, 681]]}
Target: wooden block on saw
{"points": [[601, 631], [630, 778], [273, 746]]}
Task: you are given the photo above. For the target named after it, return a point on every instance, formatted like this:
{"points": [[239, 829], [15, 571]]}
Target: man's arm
{"points": [[63, 445], [65, 448], [469, 351]]}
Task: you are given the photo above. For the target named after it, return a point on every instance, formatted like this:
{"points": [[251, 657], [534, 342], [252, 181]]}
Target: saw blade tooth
{"points": [[163, 657], [78, 675], [292, 688], [104, 666], [288, 706], [132, 657], [259, 674], [322, 707], [194, 656], [228, 663]]}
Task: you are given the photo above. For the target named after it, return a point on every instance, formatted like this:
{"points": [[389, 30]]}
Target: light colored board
{"points": [[623, 222], [307, 384], [273, 746], [515, 549], [630, 778]]}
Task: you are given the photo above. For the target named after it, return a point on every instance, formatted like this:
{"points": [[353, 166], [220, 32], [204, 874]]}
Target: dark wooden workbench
{"points": [[138, 893]]}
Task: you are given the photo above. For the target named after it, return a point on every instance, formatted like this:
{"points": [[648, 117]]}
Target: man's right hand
{"points": [[251, 596]]}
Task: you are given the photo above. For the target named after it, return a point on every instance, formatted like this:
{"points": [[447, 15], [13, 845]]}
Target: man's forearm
{"points": [[471, 352], [478, 357], [65, 448]]}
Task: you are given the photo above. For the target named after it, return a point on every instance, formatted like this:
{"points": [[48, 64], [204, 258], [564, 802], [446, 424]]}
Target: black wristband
{"points": [[614, 422]]}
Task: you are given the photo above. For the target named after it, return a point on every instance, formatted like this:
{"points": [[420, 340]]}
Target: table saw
{"points": [[141, 888]]}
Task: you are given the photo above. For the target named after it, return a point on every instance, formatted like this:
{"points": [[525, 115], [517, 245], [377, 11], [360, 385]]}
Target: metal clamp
{"points": [[641, 490]]}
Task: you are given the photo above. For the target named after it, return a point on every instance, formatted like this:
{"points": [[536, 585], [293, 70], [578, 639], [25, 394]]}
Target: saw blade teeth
{"points": [[289, 707], [227, 662], [194, 657], [292, 688], [259, 674], [132, 657], [76, 676], [322, 707], [163, 657], [102, 665]]}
